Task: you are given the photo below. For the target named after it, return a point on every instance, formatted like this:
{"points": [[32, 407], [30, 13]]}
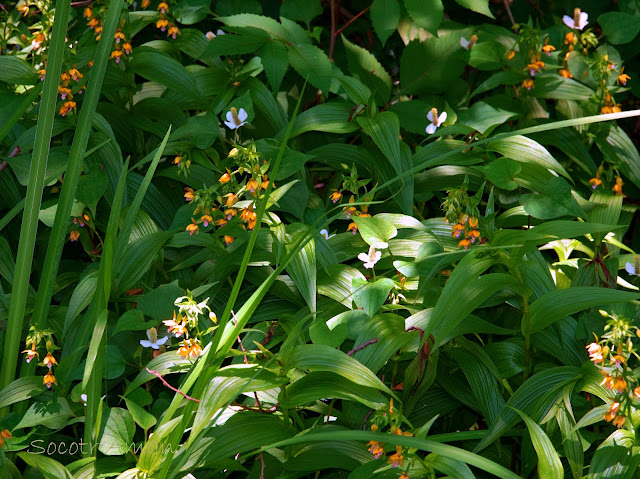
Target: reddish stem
{"points": [[362, 346], [159, 376]]}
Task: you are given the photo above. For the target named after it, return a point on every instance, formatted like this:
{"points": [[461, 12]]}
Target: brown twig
{"points": [[362, 346], [262, 410], [351, 21], [159, 376], [262, 466], [506, 5], [332, 41]]}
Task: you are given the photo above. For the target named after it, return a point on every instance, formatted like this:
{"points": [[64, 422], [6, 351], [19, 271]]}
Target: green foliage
{"points": [[407, 248]]}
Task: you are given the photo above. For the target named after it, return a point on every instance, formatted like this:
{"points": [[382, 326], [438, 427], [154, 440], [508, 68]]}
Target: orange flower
{"points": [[173, 31], [228, 239], [569, 38], [230, 213], [189, 194], [116, 54], [5, 433], [163, 7], [31, 353], [528, 84], [206, 219], [225, 178], [178, 327], [221, 222], [465, 243], [623, 78], [49, 360], [75, 74], [49, 379], [565, 73], [145, 3], [127, 48], [265, 182], [177, 160], [65, 77], [353, 227], [456, 230], [636, 392], [162, 24], [535, 67], [548, 49], [193, 227], [595, 352], [473, 221], [42, 73], [93, 23], [252, 186], [473, 235], [98, 33], [88, 13], [396, 459], [248, 214], [376, 448], [118, 36], [64, 92], [511, 54], [190, 347], [617, 188], [231, 199], [335, 196]]}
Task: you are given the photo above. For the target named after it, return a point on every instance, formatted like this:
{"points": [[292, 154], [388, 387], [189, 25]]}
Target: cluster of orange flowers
{"points": [[164, 24], [377, 448], [49, 360], [257, 181], [75, 234], [597, 181], [611, 355], [121, 45], [467, 226], [64, 88], [350, 211]]}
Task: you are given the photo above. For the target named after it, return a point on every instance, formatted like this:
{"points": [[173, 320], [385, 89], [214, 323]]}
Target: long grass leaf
{"points": [[74, 167], [34, 196]]}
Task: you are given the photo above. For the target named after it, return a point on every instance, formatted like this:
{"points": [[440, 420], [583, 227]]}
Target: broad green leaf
{"points": [[553, 201], [320, 385], [482, 116], [301, 11], [315, 357], [534, 397], [275, 62], [371, 296], [142, 418], [384, 130], [267, 24], [607, 212], [525, 150], [613, 462], [188, 12], [166, 363], [619, 27], [548, 231], [385, 15], [241, 40], [330, 117], [549, 464], [336, 282], [618, 148], [364, 66], [81, 297], [480, 6], [117, 432], [303, 271], [16, 71], [50, 468], [428, 14], [557, 304], [312, 62], [52, 414], [161, 68], [375, 231], [501, 172], [555, 87], [154, 450], [21, 389], [157, 303], [320, 333]]}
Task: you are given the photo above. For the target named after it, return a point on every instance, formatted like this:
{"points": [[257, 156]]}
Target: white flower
{"points": [[235, 118], [581, 17], [435, 120], [371, 258], [631, 269], [210, 35], [467, 44], [153, 341], [325, 234]]}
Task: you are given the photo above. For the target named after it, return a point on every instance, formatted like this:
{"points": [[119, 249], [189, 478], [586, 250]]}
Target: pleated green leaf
{"points": [[50, 468], [549, 464]]}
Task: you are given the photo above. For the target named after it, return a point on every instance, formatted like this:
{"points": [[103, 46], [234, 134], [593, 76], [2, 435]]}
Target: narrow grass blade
{"points": [[72, 174], [34, 195]]}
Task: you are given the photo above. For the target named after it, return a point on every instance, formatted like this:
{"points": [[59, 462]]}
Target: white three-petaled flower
{"points": [[370, 259], [211, 35], [325, 233], [467, 44], [435, 120], [153, 341], [631, 269], [581, 17], [236, 118]]}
